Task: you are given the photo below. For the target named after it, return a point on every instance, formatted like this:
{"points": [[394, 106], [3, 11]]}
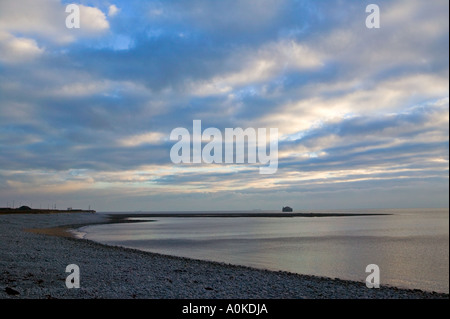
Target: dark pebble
{"points": [[11, 291]]}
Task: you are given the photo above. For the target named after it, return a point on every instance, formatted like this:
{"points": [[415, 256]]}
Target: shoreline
{"points": [[27, 210], [118, 272], [121, 217]]}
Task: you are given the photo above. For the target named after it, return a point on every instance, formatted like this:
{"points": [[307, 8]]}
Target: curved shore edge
{"points": [[33, 264]]}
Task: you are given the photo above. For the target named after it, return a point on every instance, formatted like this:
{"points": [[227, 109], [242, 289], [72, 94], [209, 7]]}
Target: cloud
{"points": [[113, 10], [268, 62], [89, 111], [146, 138], [221, 17], [17, 49], [44, 20], [92, 20]]}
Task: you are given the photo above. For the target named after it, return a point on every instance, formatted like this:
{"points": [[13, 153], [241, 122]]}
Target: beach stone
{"points": [[11, 291]]}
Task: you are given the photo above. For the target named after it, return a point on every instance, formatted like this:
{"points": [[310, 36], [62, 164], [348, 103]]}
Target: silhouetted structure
{"points": [[24, 208]]}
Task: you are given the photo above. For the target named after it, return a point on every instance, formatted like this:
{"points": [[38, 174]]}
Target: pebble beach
{"points": [[33, 263]]}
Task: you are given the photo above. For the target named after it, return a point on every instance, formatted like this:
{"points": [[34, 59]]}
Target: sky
{"points": [[86, 114]]}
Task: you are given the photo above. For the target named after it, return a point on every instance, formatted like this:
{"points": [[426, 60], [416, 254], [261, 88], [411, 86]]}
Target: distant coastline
{"points": [[27, 210], [124, 216]]}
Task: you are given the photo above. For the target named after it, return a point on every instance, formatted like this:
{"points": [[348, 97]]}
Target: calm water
{"points": [[411, 247]]}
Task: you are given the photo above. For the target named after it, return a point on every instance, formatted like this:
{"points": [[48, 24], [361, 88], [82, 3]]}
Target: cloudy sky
{"points": [[86, 114]]}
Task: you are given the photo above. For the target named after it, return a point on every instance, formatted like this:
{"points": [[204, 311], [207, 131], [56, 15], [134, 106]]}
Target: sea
{"points": [[409, 246]]}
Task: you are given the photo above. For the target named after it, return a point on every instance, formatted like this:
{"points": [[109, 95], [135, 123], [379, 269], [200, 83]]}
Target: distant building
{"points": [[287, 209], [24, 208]]}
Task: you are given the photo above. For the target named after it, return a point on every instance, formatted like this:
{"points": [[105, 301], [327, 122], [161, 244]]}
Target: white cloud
{"points": [[92, 20], [113, 10], [15, 49], [146, 138], [80, 89], [321, 102], [81, 84], [267, 62], [45, 20]]}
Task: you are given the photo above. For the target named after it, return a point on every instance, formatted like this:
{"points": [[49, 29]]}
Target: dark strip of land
{"points": [[4, 211], [238, 214]]}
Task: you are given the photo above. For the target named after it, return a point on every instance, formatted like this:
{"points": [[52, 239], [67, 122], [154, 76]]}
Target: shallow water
{"points": [[411, 247]]}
